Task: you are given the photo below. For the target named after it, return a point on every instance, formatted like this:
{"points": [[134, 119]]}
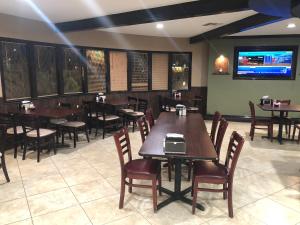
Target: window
{"points": [[72, 71], [118, 71], [139, 71], [96, 71], [15, 70], [160, 69], [180, 71], [45, 65]]}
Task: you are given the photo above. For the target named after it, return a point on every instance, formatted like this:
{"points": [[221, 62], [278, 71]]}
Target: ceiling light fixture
{"points": [[159, 26], [291, 25]]}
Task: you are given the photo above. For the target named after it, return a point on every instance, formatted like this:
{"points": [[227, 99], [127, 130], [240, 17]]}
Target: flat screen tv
{"points": [[265, 63]]}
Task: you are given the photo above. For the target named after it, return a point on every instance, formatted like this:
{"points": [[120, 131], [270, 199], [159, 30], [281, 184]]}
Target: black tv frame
{"points": [[265, 48]]}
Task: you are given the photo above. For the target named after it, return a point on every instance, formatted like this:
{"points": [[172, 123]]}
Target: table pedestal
{"points": [[178, 194]]}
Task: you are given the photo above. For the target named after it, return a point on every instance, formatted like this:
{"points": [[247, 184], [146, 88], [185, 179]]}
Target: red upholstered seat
{"points": [[214, 172], [143, 166]]}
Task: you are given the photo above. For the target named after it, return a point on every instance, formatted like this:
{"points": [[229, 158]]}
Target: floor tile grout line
{"points": [[72, 192], [25, 191]]}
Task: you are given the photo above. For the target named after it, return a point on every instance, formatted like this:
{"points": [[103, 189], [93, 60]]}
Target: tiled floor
{"points": [[81, 186]]}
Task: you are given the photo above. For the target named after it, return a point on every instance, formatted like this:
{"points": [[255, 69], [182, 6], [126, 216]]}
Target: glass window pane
{"points": [[45, 64], [15, 70], [139, 71], [118, 71], [96, 70], [72, 72], [180, 71]]}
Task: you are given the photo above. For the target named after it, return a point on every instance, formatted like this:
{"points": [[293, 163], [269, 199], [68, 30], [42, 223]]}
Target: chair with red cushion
{"points": [[140, 169], [215, 173]]}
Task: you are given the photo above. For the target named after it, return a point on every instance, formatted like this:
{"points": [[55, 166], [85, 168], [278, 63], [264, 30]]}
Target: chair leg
{"points": [[225, 192], [87, 134], [74, 133], [289, 131], [15, 148], [63, 137], [169, 170], [230, 207], [271, 132], [190, 165], [24, 151], [103, 133], [122, 193], [38, 151], [54, 145], [194, 195], [159, 185], [298, 137], [154, 194], [252, 130], [3, 165], [130, 187]]}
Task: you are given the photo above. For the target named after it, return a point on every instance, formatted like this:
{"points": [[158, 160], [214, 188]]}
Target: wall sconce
{"points": [[221, 65]]}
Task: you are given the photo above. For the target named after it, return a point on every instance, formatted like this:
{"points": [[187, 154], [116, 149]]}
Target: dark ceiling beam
{"points": [[247, 23], [170, 12]]}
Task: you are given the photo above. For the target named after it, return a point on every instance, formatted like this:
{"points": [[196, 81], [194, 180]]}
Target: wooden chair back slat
{"points": [[214, 126], [220, 136], [124, 149], [144, 129]]}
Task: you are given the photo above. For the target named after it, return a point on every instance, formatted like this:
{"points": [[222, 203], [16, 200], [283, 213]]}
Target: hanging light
{"points": [[221, 65]]}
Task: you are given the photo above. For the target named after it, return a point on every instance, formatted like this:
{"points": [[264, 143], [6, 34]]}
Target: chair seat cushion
{"points": [[109, 117], [19, 130], [136, 113], [193, 108], [210, 172], [143, 167], [58, 121], [43, 133], [126, 110], [73, 124]]}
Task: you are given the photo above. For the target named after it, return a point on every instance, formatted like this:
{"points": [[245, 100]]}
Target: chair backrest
{"points": [[150, 117], [214, 126], [220, 136], [142, 105], [252, 111], [31, 122], [234, 149], [144, 129], [9, 120], [283, 102], [104, 109], [132, 102], [123, 147]]}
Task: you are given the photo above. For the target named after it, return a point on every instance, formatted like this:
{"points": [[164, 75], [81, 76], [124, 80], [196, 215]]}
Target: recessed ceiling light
{"points": [[291, 25], [159, 26]]}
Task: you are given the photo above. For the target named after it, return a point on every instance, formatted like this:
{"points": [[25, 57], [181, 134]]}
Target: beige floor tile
{"points": [[93, 190], [11, 191], [75, 162], [271, 212], [174, 213], [70, 216], [13, 211], [288, 197], [37, 185], [106, 210], [12, 169], [134, 219], [24, 222], [296, 187], [29, 170], [74, 176], [240, 218], [108, 169], [51, 201]]}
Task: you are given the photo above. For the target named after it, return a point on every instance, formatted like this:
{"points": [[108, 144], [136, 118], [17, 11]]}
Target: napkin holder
{"points": [[174, 144]]}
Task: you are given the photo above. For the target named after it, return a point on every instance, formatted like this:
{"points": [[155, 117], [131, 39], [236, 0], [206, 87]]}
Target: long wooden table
{"points": [[55, 113], [281, 109], [198, 147]]}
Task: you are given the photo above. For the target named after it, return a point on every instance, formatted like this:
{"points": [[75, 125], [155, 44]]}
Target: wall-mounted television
{"points": [[265, 63]]}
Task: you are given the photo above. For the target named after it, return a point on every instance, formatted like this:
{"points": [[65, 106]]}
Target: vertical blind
{"points": [[160, 71], [118, 71]]}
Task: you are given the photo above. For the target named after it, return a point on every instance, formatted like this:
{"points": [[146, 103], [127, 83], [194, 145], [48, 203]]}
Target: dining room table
{"points": [[282, 109], [53, 113], [198, 147]]}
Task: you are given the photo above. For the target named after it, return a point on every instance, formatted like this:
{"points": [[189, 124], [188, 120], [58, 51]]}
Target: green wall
{"points": [[231, 97]]}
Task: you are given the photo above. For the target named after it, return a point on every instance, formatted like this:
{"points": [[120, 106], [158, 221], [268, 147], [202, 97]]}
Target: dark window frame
{"points": [[59, 68]]}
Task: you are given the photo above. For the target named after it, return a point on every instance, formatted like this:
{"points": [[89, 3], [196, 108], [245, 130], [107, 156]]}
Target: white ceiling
{"points": [[184, 27], [278, 28], [67, 10]]}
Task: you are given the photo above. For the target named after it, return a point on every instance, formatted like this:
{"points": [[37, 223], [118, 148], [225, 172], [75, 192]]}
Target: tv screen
{"points": [[267, 63]]}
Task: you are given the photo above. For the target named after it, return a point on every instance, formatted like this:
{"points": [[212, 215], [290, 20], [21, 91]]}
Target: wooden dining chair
{"points": [[37, 136], [220, 136], [215, 173], [296, 127], [263, 124], [3, 129], [214, 126], [150, 117], [287, 122], [136, 169]]}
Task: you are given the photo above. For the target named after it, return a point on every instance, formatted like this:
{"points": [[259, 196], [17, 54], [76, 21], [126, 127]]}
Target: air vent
{"points": [[211, 24]]}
